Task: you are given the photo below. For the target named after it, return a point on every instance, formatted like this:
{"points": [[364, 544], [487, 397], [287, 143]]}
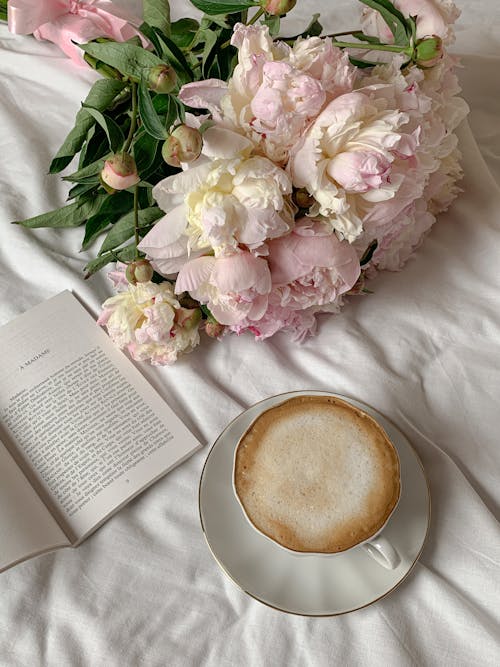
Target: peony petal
{"points": [[219, 142], [194, 273], [166, 231], [204, 94], [229, 315], [181, 183], [240, 272], [259, 307]]}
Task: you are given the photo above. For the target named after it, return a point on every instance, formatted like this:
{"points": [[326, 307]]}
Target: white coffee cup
{"points": [[313, 430]]}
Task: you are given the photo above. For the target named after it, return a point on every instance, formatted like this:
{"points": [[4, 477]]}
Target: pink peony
{"points": [[399, 239], [434, 17], [149, 322], [346, 159], [215, 207], [275, 91], [235, 287], [298, 323], [310, 266], [317, 57]]}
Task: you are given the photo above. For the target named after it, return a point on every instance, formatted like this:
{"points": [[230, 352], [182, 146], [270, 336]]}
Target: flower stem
{"points": [[341, 34], [256, 16], [136, 220], [133, 121], [375, 47]]}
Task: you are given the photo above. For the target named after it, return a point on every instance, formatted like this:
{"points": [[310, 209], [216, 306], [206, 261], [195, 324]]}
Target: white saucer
{"points": [[308, 585]]}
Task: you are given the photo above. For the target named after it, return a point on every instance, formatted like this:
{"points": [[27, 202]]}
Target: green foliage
{"points": [[132, 61], [157, 14], [223, 6], [101, 96], [124, 228], [396, 22], [150, 119], [71, 215]]}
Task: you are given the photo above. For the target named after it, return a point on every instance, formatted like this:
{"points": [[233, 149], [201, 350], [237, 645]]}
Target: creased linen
{"points": [[424, 350]]}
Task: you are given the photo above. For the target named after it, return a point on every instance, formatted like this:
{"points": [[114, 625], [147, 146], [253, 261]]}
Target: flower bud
{"points": [[428, 51], [183, 145], [139, 271], [214, 329], [162, 79], [187, 318], [119, 172], [302, 198], [278, 7]]}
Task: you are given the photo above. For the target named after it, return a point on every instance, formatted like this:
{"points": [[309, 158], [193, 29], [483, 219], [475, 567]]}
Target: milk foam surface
{"points": [[316, 474]]}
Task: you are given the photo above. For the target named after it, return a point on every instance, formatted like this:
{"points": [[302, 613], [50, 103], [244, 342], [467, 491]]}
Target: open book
{"points": [[81, 431]]}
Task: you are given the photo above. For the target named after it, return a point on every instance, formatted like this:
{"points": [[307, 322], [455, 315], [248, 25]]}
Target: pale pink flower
{"points": [[434, 17], [317, 57], [275, 91], [399, 239], [234, 287], [310, 266], [148, 321], [347, 157], [215, 207], [298, 323]]}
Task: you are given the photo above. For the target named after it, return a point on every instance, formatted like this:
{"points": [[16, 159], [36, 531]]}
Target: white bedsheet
{"points": [[424, 350]]}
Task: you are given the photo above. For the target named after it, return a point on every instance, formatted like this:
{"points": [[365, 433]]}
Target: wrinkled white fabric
{"points": [[424, 349]]}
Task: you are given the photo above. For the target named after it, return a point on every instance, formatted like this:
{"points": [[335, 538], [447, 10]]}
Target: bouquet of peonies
{"points": [[246, 183]]}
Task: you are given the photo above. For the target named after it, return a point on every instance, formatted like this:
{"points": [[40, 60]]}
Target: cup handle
{"points": [[381, 550]]}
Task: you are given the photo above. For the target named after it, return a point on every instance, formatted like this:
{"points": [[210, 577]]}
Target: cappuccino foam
{"points": [[316, 474]]}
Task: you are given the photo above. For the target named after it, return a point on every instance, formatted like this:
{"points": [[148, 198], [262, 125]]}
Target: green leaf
{"points": [[178, 110], [150, 119], [113, 131], [209, 52], [157, 165], [362, 64], [86, 174], [100, 96], [95, 147], [157, 13], [412, 22], [175, 56], [366, 38], [126, 254], [129, 59], [81, 189], [394, 19], [220, 20], [161, 103], [368, 254], [148, 32], [183, 32], [144, 147], [111, 209], [223, 6], [124, 228], [273, 23], [145, 196], [71, 215]]}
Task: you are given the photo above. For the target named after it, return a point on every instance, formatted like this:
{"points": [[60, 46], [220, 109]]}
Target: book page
{"points": [[87, 428], [26, 525]]}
